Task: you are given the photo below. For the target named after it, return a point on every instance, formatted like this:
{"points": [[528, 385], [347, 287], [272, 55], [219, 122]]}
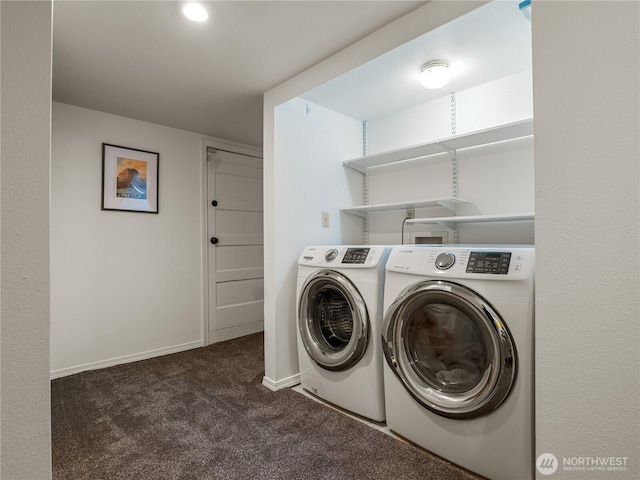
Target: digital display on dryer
{"points": [[489, 262], [355, 255]]}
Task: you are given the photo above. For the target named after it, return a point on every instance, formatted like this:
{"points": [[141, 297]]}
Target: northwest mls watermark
{"points": [[548, 464]]}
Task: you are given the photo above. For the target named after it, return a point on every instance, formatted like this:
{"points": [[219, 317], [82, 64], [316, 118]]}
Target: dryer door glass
{"points": [[450, 349], [333, 320], [446, 348]]}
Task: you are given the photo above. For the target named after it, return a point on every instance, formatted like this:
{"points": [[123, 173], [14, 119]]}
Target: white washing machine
{"points": [[458, 343], [339, 299]]}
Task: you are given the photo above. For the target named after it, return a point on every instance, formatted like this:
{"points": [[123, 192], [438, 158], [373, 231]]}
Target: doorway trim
{"points": [[231, 147]]}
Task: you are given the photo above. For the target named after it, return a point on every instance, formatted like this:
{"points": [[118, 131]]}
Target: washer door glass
{"points": [[450, 349], [333, 320]]}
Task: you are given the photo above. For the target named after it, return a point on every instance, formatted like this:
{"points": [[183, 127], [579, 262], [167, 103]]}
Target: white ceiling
{"points": [[491, 42], [143, 60]]}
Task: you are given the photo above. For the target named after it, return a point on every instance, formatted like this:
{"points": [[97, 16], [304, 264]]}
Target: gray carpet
{"points": [[204, 414]]}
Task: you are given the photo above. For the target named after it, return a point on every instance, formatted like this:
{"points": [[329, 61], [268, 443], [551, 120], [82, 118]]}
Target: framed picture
{"points": [[129, 179]]}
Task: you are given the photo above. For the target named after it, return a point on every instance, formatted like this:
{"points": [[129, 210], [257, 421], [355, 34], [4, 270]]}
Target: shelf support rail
{"points": [[454, 165], [365, 186], [454, 120], [454, 188]]}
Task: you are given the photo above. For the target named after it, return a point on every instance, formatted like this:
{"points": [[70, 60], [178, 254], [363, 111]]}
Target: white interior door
{"points": [[235, 247]]}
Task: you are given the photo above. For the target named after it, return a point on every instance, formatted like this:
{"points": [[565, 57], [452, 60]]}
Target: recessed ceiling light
{"points": [[195, 12], [435, 74]]}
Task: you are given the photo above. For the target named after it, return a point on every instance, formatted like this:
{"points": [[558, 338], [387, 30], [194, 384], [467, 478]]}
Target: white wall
{"points": [[488, 105], [587, 142], [124, 285], [506, 100], [310, 145], [25, 444], [417, 124]]}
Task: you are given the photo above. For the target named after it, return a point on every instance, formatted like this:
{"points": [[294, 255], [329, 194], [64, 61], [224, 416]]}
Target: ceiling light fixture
{"points": [[195, 12], [434, 74]]}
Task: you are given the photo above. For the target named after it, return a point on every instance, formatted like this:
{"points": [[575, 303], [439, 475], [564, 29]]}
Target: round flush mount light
{"points": [[434, 74], [195, 12]]}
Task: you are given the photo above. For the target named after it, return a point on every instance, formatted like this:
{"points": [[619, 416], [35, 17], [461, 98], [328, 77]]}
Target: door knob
{"points": [[214, 240], [214, 203]]}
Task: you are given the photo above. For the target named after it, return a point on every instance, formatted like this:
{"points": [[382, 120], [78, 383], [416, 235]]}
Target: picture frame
{"points": [[129, 179]]}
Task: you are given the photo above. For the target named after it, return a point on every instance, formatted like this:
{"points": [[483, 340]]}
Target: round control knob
{"points": [[331, 255], [445, 260]]}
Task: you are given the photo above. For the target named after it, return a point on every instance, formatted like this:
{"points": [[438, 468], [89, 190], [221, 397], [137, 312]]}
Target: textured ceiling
{"points": [[490, 42], [144, 61]]}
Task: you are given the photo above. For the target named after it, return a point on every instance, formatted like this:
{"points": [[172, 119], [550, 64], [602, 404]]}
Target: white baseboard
{"points": [[64, 372], [224, 334], [280, 384]]}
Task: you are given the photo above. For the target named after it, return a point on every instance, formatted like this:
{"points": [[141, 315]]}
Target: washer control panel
{"points": [[489, 262], [473, 261], [351, 256], [355, 255], [499, 262]]}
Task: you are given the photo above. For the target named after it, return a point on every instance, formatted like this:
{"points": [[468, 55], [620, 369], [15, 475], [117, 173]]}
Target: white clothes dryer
{"points": [[458, 338], [339, 299]]}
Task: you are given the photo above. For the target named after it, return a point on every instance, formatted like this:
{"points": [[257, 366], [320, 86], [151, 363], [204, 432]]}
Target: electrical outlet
{"points": [[325, 219], [411, 213]]}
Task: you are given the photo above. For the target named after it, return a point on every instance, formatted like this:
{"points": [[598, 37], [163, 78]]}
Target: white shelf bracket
{"points": [[452, 225], [451, 205], [446, 148], [359, 214], [362, 170]]}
